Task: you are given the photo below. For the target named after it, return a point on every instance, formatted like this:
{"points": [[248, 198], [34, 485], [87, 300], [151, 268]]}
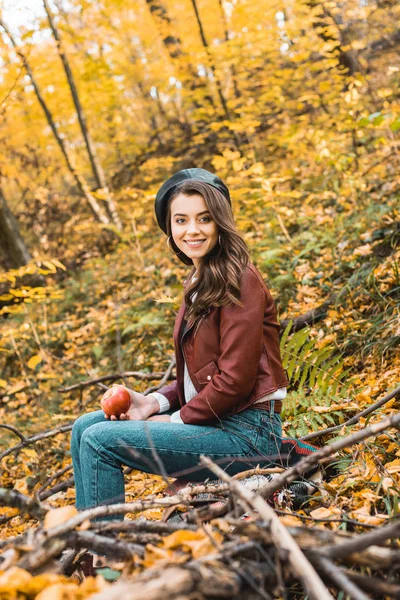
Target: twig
{"points": [[104, 545], [113, 377], [14, 430], [56, 475], [165, 378], [338, 577], [356, 418], [304, 464], [111, 509], [59, 487], [36, 438], [280, 535], [141, 526], [24, 503], [362, 541]]}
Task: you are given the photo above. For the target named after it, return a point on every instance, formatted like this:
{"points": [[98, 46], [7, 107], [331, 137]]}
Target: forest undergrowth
{"points": [[297, 111]]}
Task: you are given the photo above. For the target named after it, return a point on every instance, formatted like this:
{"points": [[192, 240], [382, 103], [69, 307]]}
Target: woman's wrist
{"points": [[154, 405]]}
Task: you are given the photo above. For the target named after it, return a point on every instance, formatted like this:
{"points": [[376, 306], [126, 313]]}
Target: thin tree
{"points": [[81, 183], [97, 169], [232, 67], [14, 252], [218, 82], [173, 45]]}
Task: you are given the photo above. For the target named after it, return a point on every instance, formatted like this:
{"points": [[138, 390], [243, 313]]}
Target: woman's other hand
{"points": [[141, 408]]}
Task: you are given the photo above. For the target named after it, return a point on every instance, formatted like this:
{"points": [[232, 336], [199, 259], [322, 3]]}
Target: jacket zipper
{"points": [[199, 320]]}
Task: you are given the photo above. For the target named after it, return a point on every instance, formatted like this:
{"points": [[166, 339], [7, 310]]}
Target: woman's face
{"points": [[193, 229]]}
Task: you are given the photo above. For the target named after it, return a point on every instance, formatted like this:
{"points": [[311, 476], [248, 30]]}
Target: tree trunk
{"points": [[97, 170], [214, 72], [14, 253], [81, 183], [232, 67]]}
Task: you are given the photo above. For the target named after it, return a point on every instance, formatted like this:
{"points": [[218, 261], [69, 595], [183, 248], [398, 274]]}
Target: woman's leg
{"points": [[80, 425], [168, 448]]}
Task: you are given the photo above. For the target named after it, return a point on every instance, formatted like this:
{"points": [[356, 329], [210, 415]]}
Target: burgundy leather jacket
{"points": [[232, 355]]}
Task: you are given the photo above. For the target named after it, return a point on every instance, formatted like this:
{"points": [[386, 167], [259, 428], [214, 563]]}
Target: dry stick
{"points": [[338, 577], [111, 509], [104, 545], [373, 585], [307, 462], [167, 375], [59, 487], [112, 377], [24, 503], [14, 430], [50, 479], [362, 541], [140, 526], [356, 418], [280, 535], [36, 438]]}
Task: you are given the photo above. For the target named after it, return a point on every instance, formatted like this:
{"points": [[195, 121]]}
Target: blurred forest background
{"points": [[295, 104]]}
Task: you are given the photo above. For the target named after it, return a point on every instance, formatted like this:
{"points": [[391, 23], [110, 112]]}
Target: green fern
{"points": [[317, 378]]}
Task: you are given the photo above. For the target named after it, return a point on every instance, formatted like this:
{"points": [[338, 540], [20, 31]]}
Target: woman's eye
{"points": [[179, 221], [206, 219]]}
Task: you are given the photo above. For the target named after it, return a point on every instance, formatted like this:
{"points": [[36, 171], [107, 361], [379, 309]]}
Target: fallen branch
{"points": [[36, 438], [338, 577], [24, 503], [363, 541], [280, 535], [14, 430], [356, 417], [112, 377], [56, 475], [310, 317], [306, 463]]}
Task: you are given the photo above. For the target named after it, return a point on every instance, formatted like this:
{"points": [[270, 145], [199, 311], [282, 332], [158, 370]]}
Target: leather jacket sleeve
{"points": [[241, 344]]}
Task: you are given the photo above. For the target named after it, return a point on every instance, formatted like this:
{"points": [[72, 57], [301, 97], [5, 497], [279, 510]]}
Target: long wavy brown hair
{"points": [[220, 271]]}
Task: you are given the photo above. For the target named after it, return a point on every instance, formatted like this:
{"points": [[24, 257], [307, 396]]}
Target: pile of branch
{"points": [[257, 557]]}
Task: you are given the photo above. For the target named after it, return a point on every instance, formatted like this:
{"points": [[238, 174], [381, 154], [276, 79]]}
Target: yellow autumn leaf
{"points": [[56, 591], [3, 383], [59, 264], [164, 298], [34, 361], [394, 466], [291, 521], [58, 516], [325, 513], [41, 582], [13, 580]]}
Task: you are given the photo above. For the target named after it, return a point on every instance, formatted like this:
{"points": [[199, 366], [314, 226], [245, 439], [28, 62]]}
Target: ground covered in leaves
{"points": [[298, 112]]}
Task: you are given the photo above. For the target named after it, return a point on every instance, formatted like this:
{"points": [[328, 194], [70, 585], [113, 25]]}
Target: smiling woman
{"points": [[230, 383]]}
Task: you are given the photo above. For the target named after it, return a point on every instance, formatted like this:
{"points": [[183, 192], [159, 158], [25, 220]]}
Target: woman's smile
{"points": [[194, 243]]}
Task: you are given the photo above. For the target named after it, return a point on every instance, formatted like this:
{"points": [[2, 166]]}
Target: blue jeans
{"points": [[100, 448]]}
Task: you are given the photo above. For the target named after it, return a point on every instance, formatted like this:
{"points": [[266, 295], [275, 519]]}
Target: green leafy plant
{"points": [[319, 384]]}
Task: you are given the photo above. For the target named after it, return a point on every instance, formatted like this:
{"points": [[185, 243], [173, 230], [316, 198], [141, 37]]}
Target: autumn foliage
{"points": [[296, 106]]}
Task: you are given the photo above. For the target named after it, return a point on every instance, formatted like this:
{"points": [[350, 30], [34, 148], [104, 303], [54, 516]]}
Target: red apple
{"points": [[116, 401]]}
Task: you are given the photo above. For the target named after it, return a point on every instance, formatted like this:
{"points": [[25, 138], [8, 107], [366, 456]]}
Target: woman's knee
{"points": [[83, 423]]}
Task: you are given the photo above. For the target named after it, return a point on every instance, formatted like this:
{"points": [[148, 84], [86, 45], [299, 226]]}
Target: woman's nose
{"points": [[193, 227]]}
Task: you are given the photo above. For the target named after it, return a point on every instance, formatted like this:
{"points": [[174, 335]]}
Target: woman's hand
{"points": [[164, 418], [141, 408]]}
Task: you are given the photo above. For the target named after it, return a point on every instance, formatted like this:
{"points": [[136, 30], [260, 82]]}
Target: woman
{"points": [[226, 399]]}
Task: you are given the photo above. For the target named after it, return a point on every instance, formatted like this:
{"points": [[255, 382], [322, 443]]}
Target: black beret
{"points": [[169, 186]]}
